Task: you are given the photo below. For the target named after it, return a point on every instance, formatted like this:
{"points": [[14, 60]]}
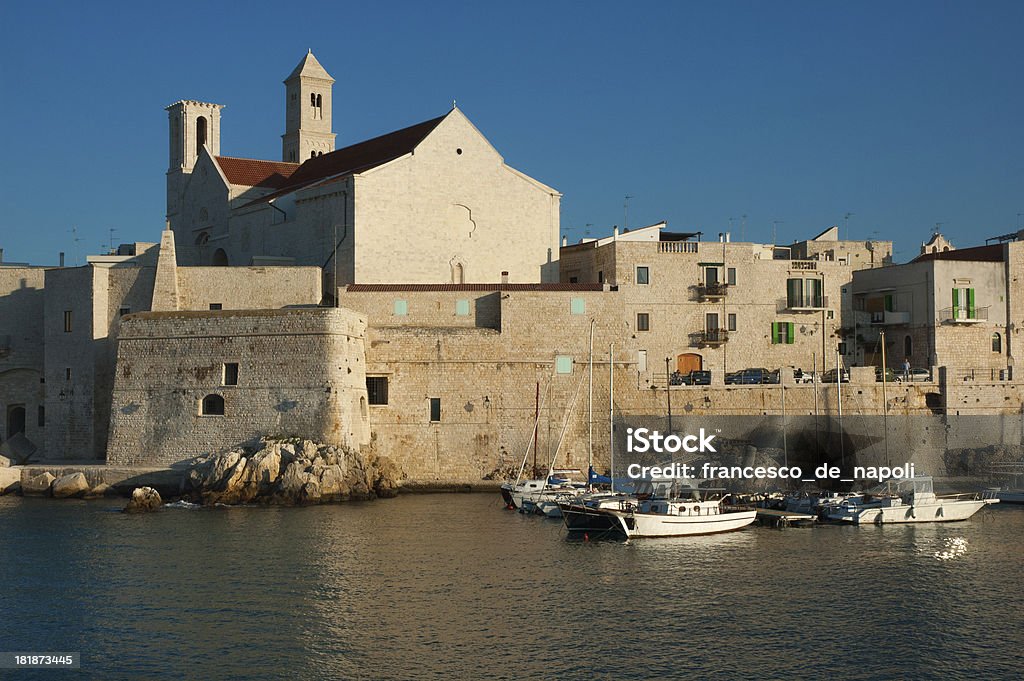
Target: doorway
{"points": [[689, 361], [15, 420]]}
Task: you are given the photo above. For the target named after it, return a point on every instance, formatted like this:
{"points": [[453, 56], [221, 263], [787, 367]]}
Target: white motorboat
{"points": [[1010, 476], [911, 500], [672, 508]]}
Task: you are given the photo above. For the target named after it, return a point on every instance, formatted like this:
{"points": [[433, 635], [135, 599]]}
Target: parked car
{"points": [[830, 376], [890, 375], [801, 376], [697, 378], [915, 375], [752, 377], [675, 379]]}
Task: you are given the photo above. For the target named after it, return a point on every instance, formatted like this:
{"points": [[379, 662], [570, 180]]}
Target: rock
{"points": [[37, 486], [5, 462], [99, 491], [386, 478], [10, 480], [70, 485], [144, 499], [231, 488]]}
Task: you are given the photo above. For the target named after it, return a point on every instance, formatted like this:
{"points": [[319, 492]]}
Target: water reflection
{"points": [[452, 586]]}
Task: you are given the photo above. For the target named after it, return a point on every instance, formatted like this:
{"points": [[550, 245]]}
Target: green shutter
{"points": [[970, 303], [775, 333], [789, 333], [888, 303], [956, 303]]}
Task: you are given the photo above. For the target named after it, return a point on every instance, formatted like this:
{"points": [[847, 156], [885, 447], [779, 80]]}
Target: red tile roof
{"points": [[356, 158], [255, 173], [389, 288]]}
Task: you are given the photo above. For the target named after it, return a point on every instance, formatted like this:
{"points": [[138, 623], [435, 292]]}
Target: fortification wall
{"points": [[301, 372]]}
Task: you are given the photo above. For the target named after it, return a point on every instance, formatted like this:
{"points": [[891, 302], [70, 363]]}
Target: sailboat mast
{"points": [[590, 410], [536, 422], [611, 414]]}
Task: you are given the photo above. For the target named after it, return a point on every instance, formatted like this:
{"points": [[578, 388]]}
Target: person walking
{"points": [[906, 368]]}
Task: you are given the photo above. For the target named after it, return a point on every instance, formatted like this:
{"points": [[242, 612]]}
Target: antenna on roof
{"points": [[743, 227], [846, 225], [625, 212]]}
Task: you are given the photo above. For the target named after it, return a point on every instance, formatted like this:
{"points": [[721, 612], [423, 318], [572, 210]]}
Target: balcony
{"points": [[678, 246], [709, 338], [963, 315], [887, 317], [803, 264], [804, 303], [715, 291]]}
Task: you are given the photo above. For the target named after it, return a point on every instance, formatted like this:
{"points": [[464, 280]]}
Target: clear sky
{"points": [[905, 114]]}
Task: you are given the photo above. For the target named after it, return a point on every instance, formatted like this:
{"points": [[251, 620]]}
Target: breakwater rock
{"points": [[288, 473], [144, 500]]}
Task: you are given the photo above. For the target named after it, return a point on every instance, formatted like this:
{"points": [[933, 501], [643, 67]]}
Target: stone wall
{"points": [[21, 348], [301, 373], [248, 288]]}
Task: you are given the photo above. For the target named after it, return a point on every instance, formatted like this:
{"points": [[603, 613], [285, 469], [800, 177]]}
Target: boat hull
{"points": [[653, 525], [944, 512], [586, 519]]}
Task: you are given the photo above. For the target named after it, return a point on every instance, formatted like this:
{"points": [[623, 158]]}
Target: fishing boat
{"points": [[910, 500], [1011, 478], [663, 507]]}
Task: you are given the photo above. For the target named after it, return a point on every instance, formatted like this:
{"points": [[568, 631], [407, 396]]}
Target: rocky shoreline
{"points": [[280, 472]]}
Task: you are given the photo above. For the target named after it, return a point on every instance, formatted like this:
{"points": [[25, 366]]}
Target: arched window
{"points": [[997, 343], [213, 405], [200, 134], [220, 258], [312, 154], [908, 346], [312, 99], [458, 274], [202, 238], [203, 214]]}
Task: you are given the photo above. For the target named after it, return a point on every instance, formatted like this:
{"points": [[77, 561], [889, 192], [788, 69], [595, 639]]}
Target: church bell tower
{"points": [[307, 112]]}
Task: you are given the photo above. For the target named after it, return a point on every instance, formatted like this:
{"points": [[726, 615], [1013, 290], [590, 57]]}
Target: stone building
{"points": [[22, 387], [953, 308], [433, 202], [724, 306]]}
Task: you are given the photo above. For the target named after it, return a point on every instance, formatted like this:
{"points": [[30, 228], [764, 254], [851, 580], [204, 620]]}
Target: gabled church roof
{"points": [[356, 158], [252, 172], [309, 67]]}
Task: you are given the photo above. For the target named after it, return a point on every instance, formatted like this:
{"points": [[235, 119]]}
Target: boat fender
{"points": [[682, 509]]}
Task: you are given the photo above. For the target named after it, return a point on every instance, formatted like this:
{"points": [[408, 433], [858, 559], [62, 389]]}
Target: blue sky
{"points": [[905, 114]]}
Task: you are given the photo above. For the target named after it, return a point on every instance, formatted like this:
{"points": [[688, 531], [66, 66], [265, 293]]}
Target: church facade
{"points": [[430, 203]]}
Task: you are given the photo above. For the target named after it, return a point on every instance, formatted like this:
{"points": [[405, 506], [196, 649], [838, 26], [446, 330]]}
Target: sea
{"points": [[454, 586]]}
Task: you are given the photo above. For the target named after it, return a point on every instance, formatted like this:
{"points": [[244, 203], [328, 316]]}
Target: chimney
{"points": [[728, 237], [62, 258], [504, 278], [1, 255], [615, 232], [565, 241]]}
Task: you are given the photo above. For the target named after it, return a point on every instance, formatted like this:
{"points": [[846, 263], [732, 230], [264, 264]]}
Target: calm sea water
{"points": [[455, 587]]}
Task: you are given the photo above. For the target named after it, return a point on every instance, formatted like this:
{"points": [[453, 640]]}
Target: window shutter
{"points": [[775, 333], [956, 303], [970, 303], [789, 333], [888, 303]]}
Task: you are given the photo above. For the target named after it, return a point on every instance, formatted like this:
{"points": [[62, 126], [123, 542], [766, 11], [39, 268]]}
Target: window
{"points": [[231, 373], [67, 374], [908, 347], [732, 321], [643, 275], [213, 405], [643, 321], [731, 276], [377, 389], [574, 280], [641, 361], [41, 416], [435, 409], [805, 293], [577, 306], [401, 308], [963, 303], [200, 134], [123, 311], [462, 308], [782, 333], [997, 342], [600, 276], [216, 306], [710, 276], [711, 322], [67, 321], [563, 364]]}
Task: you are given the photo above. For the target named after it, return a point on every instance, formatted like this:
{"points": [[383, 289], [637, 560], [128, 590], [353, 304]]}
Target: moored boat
{"points": [[911, 500]]}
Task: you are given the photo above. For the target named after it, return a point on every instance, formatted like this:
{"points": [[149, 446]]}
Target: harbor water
{"points": [[456, 587]]}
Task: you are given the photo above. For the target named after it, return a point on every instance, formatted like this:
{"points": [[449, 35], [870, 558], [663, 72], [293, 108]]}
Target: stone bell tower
{"points": [[192, 126], [307, 112]]}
